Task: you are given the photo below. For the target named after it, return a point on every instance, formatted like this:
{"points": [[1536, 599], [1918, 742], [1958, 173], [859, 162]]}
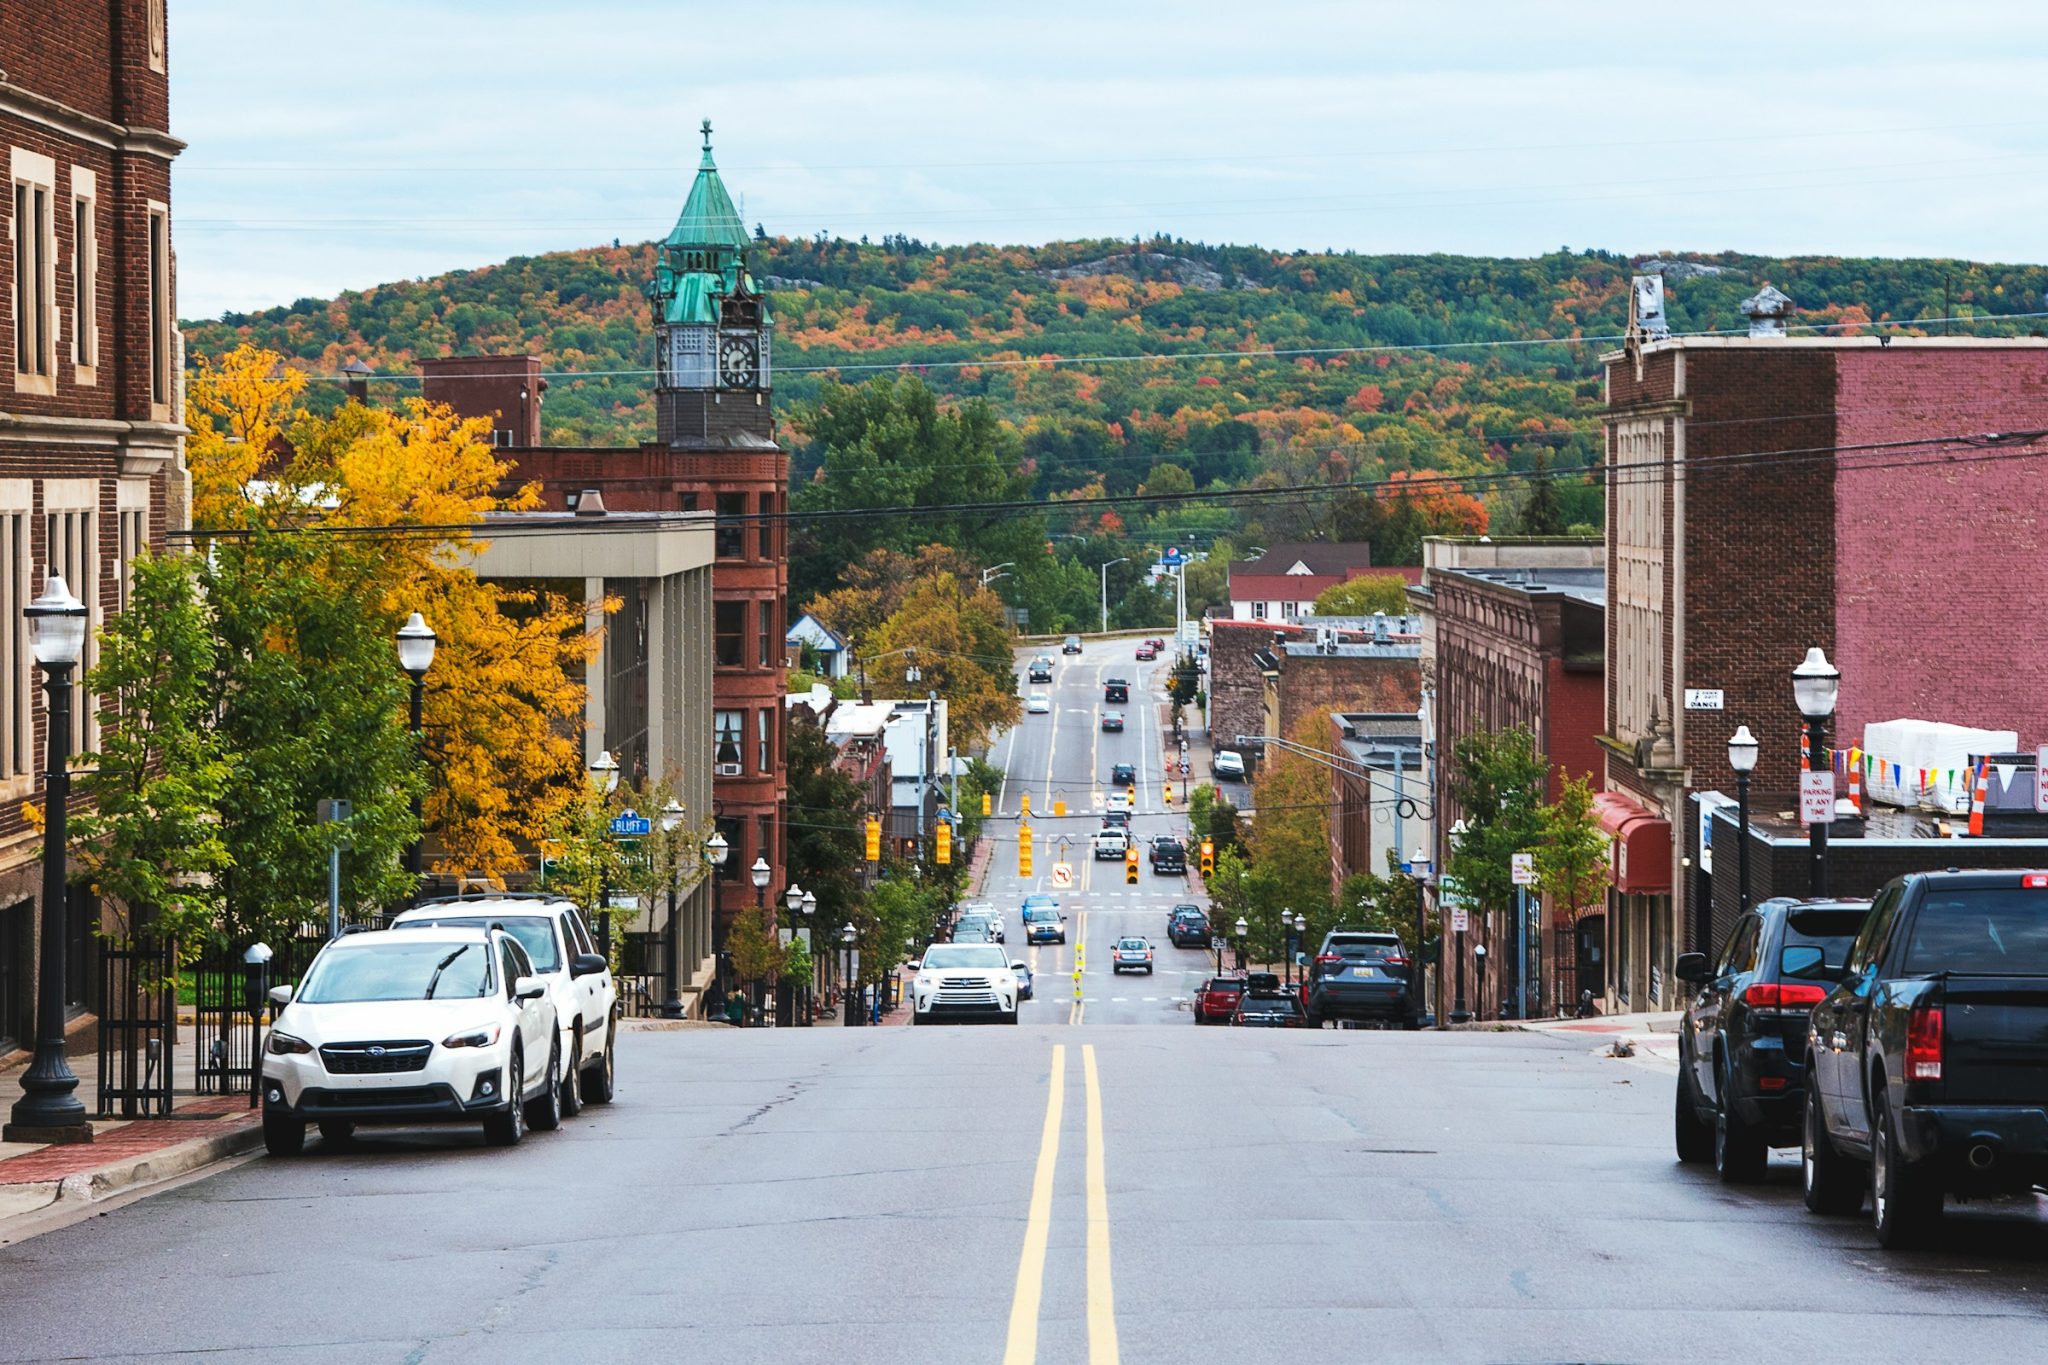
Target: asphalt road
{"points": [[965, 1194], [1067, 756]]}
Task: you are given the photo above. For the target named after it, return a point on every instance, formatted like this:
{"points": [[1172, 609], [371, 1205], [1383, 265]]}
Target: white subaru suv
{"points": [[564, 955], [965, 981], [413, 1026]]}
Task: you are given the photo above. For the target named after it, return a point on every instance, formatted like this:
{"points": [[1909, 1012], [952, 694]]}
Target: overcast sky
{"points": [[340, 146]]}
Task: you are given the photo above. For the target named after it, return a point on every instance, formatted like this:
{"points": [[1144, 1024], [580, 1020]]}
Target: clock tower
{"points": [[711, 326]]}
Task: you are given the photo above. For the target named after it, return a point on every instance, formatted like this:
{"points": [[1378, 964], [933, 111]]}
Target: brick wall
{"points": [[506, 389], [1236, 687], [1577, 700], [1317, 684]]}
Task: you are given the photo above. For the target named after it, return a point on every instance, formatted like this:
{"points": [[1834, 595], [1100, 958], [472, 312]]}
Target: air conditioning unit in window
{"points": [[727, 769]]}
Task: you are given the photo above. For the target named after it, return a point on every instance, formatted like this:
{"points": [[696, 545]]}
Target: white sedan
{"points": [[405, 1026], [1038, 704]]}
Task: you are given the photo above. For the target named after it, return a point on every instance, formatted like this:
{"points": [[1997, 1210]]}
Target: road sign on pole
{"points": [[1817, 797], [1062, 874], [1523, 866], [631, 825], [2041, 780], [1461, 919]]}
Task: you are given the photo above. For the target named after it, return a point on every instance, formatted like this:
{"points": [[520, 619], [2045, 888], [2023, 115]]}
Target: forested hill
{"points": [[1222, 410]]}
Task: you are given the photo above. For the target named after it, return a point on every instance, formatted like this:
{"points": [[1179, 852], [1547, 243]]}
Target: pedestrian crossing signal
{"points": [[874, 850], [1023, 850], [1130, 867], [942, 848], [1208, 858], [987, 806]]}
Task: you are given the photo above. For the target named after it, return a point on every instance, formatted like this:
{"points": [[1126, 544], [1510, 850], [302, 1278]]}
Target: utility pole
{"points": [[1105, 590]]}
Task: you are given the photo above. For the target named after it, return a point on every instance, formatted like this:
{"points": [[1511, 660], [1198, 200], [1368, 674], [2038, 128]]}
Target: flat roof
{"points": [[1880, 337], [539, 545], [1584, 585]]}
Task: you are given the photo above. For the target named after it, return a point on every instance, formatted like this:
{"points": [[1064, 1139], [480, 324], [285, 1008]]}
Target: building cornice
{"points": [[36, 108]]}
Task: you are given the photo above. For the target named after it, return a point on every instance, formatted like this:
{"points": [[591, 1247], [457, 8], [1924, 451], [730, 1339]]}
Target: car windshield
{"points": [[536, 934], [964, 955], [1039, 913], [433, 970], [1832, 931], [1987, 931]]}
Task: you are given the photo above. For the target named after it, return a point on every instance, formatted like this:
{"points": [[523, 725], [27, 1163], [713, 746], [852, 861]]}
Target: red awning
{"points": [[1642, 843]]}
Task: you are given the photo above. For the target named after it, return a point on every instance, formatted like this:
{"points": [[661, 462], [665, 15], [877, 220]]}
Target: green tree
{"points": [[1542, 510], [826, 809], [1497, 780], [960, 643], [1364, 595], [1383, 904], [148, 838], [1571, 862], [756, 956]]}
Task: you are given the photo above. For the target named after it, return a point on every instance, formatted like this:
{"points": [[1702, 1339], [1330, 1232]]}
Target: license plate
{"points": [[1365, 973]]}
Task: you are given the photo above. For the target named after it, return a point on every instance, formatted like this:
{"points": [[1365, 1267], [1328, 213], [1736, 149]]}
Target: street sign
{"points": [[1063, 874], [1523, 866], [1817, 797], [1183, 767], [631, 825], [2041, 780], [1461, 919], [1703, 698], [1217, 943]]}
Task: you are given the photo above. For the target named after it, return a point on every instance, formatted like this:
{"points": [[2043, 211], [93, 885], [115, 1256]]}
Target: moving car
{"points": [[1112, 720], [1742, 1046], [1927, 1066], [1216, 999], [428, 1025], [1131, 953], [1116, 689], [562, 953], [1359, 976], [974, 929], [1169, 857], [1023, 971], [1228, 764], [1156, 643], [1123, 775], [1071, 645], [1120, 818], [1268, 1009], [1041, 669], [1188, 927], [1146, 651], [964, 981], [1038, 704], [1110, 841], [1043, 922]]}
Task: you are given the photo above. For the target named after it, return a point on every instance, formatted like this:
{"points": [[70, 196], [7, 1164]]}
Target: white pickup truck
{"points": [[1111, 843]]}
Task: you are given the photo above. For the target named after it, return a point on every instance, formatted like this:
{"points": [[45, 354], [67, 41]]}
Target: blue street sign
{"points": [[631, 825]]}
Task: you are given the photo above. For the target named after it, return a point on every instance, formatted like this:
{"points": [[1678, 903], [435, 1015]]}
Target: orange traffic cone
{"points": [[1979, 794]]}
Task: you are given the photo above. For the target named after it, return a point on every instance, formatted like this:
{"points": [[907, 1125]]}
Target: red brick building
{"points": [[1766, 495], [714, 451], [91, 441]]}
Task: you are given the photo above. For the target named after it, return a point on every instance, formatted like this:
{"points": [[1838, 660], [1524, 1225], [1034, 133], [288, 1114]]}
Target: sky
{"points": [[340, 147]]}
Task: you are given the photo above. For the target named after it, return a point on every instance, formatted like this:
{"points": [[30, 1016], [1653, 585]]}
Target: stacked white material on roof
{"points": [[1904, 750]]}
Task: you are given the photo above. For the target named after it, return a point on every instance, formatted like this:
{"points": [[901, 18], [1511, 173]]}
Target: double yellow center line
{"points": [[1022, 1345]]}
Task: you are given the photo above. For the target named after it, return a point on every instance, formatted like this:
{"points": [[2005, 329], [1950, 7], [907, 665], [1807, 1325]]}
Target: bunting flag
{"points": [[2005, 775], [1898, 776]]}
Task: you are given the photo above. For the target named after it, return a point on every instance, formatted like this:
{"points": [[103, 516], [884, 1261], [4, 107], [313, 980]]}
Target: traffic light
{"points": [[1208, 857], [1131, 797], [987, 806], [1026, 809], [1166, 793], [874, 839], [1131, 865], [942, 845], [1059, 805], [1023, 850]]}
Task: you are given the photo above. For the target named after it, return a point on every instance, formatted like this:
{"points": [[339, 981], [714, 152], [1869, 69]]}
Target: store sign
{"points": [[1703, 698]]}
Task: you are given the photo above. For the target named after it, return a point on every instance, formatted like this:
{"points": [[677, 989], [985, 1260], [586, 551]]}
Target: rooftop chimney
{"points": [[358, 376], [590, 503], [1766, 310]]}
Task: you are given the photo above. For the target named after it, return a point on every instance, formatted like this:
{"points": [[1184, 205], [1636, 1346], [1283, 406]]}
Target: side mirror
{"points": [[586, 964], [1690, 967], [280, 995], [529, 988], [1804, 960]]}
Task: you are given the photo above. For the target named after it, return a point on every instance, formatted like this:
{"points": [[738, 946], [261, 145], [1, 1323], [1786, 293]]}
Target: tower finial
{"points": [[706, 163]]}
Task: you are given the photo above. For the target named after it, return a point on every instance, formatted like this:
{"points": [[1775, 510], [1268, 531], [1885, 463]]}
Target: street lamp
{"points": [[1815, 684], [671, 821], [761, 874], [1243, 932], [995, 571], [1742, 751], [1418, 865], [1287, 936], [1105, 592], [1459, 1014], [604, 780], [49, 1110], [794, 899], [604, 773], [1300, 942], [715, 850], [416, 641], [847, 939]]}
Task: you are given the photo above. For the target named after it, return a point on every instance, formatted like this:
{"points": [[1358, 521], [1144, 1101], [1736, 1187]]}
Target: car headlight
{"points": [[476, 1037], [283, 1044]]}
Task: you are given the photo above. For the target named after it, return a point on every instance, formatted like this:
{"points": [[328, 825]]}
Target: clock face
{"points": [[738, 362]]}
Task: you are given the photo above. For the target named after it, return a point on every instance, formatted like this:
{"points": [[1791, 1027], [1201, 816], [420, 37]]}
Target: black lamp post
{"points": [[848, 1006], [1418, 865], [1300, 942], [671, 821], [793, 897], [49, 1110], [1243, 932], [604, 780], [810, 989], [416, 641], [761, 873], [1742, 751], [715, 850], [1287, 930], [1459, 1014], [1815, 684]]}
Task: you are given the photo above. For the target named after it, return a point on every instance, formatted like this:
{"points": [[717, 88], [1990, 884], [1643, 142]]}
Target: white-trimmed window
{"points": [[72, 549], [17, 695], [85, 274], [160, 310], [1258, 611], [1639, 480], [157, 38], [32, 230], [132, 535]]}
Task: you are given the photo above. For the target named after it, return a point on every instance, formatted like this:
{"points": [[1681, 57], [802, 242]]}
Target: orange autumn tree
{"points": [[504, 696]]}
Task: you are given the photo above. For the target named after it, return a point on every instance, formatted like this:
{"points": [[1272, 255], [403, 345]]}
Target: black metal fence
{"points": [[231, 1006], [138, 1016]]}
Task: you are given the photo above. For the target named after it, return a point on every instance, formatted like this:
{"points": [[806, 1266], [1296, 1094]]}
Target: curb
{"points": [[90, 1187]]}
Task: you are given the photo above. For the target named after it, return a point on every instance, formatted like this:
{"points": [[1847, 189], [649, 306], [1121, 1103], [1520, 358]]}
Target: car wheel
{"points": [[1829, 1179], [1905, 1199], [505, 1129], [1694, 1138], [1740, 1156], [337, 1132], [572, 1079], [283, 1135], [600, 1077], [544, 1111]]}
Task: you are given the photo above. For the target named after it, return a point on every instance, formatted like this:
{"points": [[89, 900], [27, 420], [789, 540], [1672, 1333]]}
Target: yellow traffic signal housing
{"points": [[1131, 798], [1208, 857], [1027, 803], [987, 806], [1059, 805], [942, 846], [1166, 792], [1131, 866], [874, 851], [1023, 850]]}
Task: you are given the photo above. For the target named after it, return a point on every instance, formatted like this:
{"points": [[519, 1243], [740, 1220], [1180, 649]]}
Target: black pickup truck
{"points": [[1928, 1064]]}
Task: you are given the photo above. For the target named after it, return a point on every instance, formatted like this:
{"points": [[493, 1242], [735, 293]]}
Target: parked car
{"points": [[1169, 857], [1038, 704], [1071, 645], [1113, 720], [1742, 1047], [1146, 652], [1131, 954], [1359, 976], [996, 932], [429, 1025], [1216, 999], [1268, 1009], [1188, 927], [1043, 922], [964, 981], [1928, 1064], [562, 953], [1023, 971], [1228, 764], [1116, 689], [1123, 775], [1041, 669], [973, 929], [1111, 841]]}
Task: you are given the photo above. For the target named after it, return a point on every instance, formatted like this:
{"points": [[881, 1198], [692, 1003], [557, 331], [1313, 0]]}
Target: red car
{"points": [[1216, 999], [1156, 644], [1145, 651]]}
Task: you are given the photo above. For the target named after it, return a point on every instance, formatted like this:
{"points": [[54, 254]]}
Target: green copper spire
{"points": [[708, 219]]}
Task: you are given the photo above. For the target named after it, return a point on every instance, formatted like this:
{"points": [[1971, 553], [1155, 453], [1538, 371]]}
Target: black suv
{"points": [[1123, 775], [1041, 669], [1072, 645], [1741, 1050], [1188, 927], [1358, 975], [1169, 858], [1116, 689]]}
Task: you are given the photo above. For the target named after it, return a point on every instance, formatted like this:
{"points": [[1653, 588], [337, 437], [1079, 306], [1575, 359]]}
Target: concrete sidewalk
{"points": [[1651, 1039]]}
